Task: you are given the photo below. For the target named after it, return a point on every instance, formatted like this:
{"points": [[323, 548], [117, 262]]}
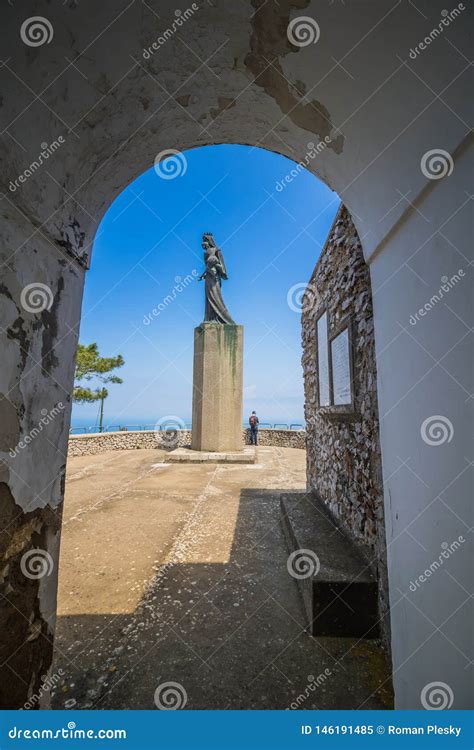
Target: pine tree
{"points": [[90, 365]]}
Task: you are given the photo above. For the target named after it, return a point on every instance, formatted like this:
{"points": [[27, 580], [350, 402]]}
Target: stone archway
{"points": [[89, 104]]}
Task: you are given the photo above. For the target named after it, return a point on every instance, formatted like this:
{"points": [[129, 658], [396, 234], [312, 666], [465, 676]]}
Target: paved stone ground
{"points": [[177, 573]]}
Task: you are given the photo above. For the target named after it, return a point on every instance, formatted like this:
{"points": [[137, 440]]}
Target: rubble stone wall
{"points": [[279, 438], [86, 445], [342, 443]]}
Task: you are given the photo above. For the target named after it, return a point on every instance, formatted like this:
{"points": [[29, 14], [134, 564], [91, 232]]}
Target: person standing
{"points": [[253, 422]]}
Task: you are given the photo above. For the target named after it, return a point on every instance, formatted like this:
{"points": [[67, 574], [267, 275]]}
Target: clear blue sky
{"points": [[151, 235]]}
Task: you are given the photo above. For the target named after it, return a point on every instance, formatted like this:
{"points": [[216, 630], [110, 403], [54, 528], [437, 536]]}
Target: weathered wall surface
{"points": [[36, 376], [86, 445], [343, 450]]}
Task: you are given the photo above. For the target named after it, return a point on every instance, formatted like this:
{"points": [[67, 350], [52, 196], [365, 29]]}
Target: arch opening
{"points": [[271, 219]]}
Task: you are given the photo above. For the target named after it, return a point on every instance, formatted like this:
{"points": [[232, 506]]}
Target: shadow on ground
{"points": [[223, 618]]}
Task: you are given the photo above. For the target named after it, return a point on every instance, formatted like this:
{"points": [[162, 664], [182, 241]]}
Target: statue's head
{"points": [[208, 240]]}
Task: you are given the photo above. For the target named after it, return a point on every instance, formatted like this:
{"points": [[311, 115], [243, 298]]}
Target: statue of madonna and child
{"points": [[216, 311]]}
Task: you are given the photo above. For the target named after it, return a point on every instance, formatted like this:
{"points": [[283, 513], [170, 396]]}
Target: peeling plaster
{"points": [[17, 332], [11, 430], [4, 472], [268, 44], [48, 584], [27, 644], [72, 241], [49, 320], [223, 103]]}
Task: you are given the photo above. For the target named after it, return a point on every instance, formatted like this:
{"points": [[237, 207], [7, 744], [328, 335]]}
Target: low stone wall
{"points": [[87, 445], [279, 438]]}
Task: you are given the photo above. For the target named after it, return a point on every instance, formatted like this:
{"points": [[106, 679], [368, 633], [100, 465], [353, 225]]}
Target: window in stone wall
{"points": [[334, 364], [323, 360]]}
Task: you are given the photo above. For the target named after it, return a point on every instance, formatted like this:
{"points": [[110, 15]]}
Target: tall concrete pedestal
{"points": [[217, 387]]}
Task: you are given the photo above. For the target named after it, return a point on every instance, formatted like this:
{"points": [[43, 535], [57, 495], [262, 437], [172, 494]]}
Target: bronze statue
{"points": [[216, 311]]}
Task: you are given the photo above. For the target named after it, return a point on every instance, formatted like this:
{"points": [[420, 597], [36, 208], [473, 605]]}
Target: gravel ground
{"points": [[177, 574]]}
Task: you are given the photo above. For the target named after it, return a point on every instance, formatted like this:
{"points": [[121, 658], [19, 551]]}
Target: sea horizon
{"points": [[133, 424]]}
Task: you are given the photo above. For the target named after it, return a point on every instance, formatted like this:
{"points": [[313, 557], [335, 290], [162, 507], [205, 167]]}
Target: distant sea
{"points": [[81, 425]]}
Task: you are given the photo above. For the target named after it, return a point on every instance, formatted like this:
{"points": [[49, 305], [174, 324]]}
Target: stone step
{"points": [[338, 589], [248, 455]]}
